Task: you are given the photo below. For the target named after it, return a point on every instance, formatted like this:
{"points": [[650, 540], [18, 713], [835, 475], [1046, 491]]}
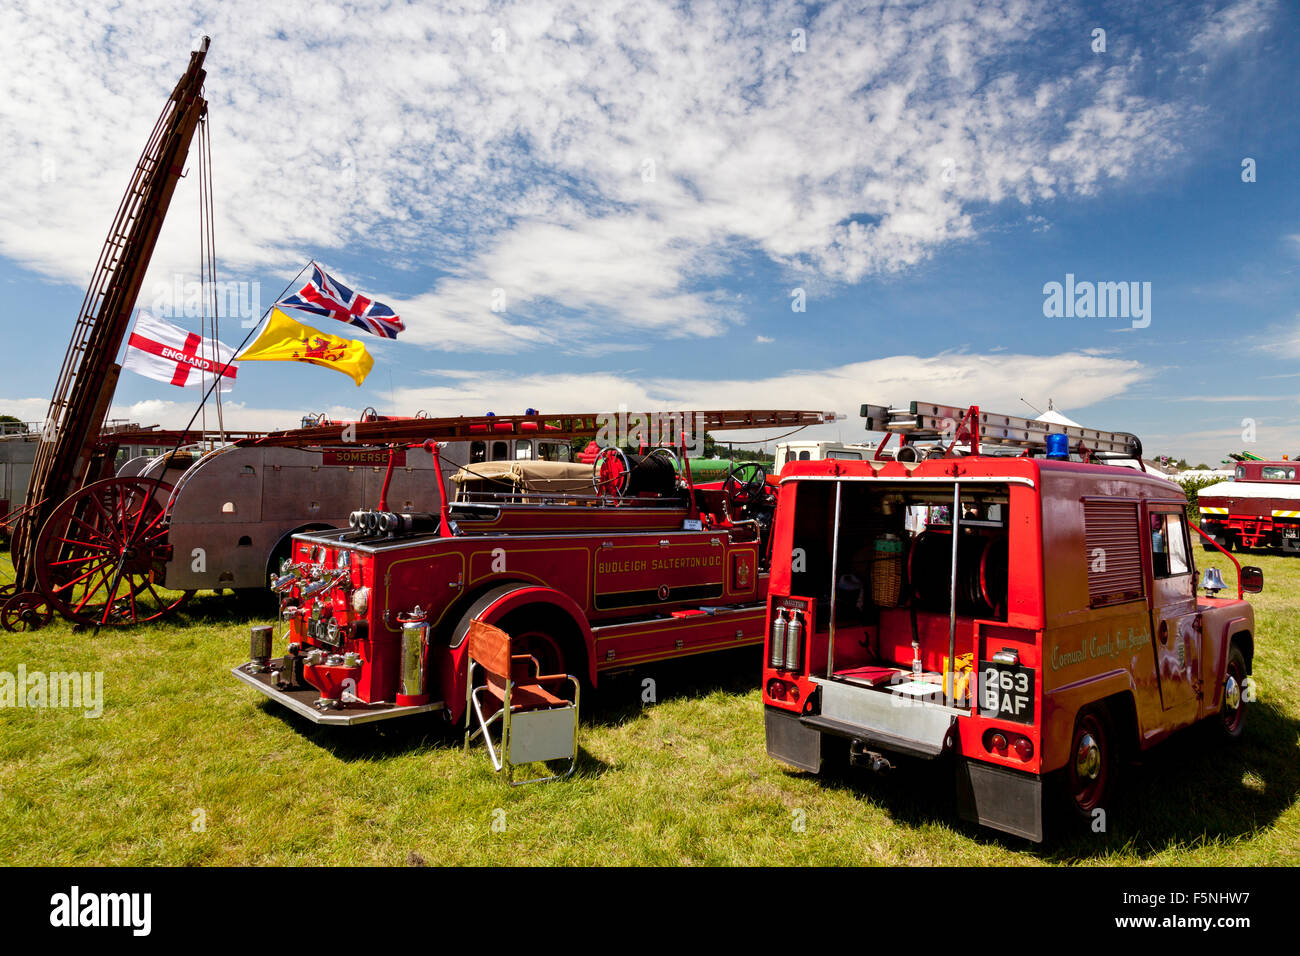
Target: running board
{"points": [[302, 703]]}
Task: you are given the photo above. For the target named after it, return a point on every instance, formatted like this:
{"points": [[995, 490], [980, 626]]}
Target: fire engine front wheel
{"points": [[1233, 712], [1090, 767]]}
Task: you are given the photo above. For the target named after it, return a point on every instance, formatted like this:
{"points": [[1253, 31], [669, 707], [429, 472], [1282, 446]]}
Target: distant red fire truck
{"points": [[588, 567], [1258, 508], [1062, 632]]}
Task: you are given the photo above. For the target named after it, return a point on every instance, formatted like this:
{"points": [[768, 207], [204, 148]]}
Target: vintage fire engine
{"points": [[1033, 619], [645, 565], [1258, 508]]}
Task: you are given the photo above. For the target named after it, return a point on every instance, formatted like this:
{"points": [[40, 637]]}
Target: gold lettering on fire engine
{"points": [[1105, 645], [658, 564]]}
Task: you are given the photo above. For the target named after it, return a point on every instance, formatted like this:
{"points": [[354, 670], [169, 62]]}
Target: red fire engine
{"points": [[1258, 508], [643, 566], [1062, 631]]}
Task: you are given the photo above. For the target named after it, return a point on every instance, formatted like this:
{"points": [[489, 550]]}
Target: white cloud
{"points": [[604, 166], [1231, 25], [995, 381]]}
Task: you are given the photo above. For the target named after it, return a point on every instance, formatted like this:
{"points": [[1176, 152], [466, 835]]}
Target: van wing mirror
{"points": [[1252, 579]]}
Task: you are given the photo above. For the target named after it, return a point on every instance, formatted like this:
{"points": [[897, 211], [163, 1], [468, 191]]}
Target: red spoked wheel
{"points": [[1090, 764], [610, 471], [103, 554], [25, 611]]}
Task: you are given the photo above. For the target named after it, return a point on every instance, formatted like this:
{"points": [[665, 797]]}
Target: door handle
{"points": [[1164, 632]]}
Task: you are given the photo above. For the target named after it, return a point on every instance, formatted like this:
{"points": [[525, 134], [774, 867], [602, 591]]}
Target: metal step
{"points": [[909, 725]]}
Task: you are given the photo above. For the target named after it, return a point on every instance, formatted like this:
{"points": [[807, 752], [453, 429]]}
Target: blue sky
{"points": [[646, 185]]}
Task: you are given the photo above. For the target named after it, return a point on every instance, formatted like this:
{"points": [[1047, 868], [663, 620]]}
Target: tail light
{"points": [[782, 690], [1002, 743]]}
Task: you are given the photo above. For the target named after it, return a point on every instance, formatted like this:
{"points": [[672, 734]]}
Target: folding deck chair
{"points": [[536, 724]]}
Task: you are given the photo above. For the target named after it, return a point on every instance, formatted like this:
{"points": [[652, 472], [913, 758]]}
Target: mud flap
{"points": [[789, 741], [997, 797]]}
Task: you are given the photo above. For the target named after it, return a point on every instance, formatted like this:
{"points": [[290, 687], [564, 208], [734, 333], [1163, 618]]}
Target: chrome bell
{"points": [[1212, 581]]}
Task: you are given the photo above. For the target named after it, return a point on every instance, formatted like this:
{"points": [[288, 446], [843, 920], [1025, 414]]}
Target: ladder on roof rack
{"points": [[922, 421], [554, 426]]}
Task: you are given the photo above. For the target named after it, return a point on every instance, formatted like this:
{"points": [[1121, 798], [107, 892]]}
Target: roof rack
{"points": [[535, 425], [969, 426]]}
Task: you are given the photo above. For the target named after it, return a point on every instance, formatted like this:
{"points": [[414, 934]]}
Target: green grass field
{"points": [[188, 766]]}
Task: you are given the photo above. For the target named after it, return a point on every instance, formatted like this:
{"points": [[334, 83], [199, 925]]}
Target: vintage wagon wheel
{"points": [[103, 551], [25, 611]]}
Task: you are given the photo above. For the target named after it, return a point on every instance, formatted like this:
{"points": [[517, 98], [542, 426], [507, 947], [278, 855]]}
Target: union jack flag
{"points": [[327, 296]]}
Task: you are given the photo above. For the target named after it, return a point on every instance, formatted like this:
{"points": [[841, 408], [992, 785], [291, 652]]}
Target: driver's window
{"points": [[1169, 551]]}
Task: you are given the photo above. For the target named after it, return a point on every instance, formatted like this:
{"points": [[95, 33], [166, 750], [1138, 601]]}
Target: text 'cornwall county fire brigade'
{"points": [[1030, 618], [588, 567]]}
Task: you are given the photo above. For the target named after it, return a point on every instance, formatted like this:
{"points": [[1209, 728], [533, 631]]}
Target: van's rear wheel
{"points": [[1232, 714], [1090, 766]]}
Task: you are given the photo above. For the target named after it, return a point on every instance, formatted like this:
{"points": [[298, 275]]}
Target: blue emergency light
{"points": [[1058, 446]]}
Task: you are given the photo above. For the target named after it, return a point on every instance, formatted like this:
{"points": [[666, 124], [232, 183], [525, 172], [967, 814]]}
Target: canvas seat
{"points": [[537, 724]]}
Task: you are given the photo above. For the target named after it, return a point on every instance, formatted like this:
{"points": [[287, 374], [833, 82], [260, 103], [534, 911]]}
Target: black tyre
{"points": [[1232, 713], [1092, 765]]}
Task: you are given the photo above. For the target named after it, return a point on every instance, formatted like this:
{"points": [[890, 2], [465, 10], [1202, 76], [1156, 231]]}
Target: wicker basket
{"points": [[887, 571]]}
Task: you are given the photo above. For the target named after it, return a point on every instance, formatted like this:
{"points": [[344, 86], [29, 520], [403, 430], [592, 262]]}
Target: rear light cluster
{"points": [[779, 689], [785, 644], [1004, 743]]}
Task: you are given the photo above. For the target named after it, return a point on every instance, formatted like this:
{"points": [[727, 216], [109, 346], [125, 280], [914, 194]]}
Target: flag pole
{"points": [[180, 440]]}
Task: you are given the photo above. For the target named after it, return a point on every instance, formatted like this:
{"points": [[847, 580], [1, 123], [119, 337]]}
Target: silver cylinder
{"points": [[259, 645], [415, 642], [776, 650], [793, 641]]}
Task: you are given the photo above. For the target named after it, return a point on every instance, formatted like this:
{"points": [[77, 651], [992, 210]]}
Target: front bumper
{"points": [[303, 703]]}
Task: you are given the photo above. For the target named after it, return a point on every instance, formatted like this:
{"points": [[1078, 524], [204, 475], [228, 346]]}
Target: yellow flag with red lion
{"points": [[284, 340]]}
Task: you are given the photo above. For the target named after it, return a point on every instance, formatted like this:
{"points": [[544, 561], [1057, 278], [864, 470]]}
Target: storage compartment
{"points": [[890, 573]]}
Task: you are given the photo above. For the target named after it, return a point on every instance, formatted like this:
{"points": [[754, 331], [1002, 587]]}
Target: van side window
{"points": [[1169, 546], [1114, 551]]}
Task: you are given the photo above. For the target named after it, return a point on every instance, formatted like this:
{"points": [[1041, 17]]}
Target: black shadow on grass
{"points": [[393, 738], [1186, 790], [621, 696], [1190, 788]]}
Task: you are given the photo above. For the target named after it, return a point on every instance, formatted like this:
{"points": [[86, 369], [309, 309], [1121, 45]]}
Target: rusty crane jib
{"points": [[89, 374]]}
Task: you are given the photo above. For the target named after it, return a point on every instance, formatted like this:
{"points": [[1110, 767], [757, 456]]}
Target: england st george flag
{"points": [[167, 353]]}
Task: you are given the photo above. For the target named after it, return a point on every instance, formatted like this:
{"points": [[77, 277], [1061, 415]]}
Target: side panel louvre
{"points": [[1114, 541]]}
